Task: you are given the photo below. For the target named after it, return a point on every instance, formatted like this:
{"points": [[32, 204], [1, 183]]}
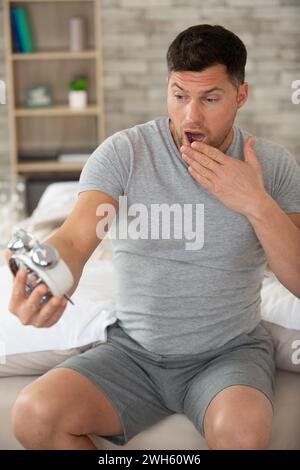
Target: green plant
{"points": [[80, 83]]}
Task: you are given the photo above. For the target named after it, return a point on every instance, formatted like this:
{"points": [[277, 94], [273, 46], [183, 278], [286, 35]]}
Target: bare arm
{"points": [[279, 235], [75, 240]]}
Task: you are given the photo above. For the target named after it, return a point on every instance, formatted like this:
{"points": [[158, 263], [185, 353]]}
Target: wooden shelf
{"points": [[55, 55], [58, 126], [44, 167], [57, 111]]}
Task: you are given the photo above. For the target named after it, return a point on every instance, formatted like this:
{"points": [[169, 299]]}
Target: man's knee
{"points": [[248, 432], [34, 418]]}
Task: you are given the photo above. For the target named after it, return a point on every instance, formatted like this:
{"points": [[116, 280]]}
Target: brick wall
{"points": [[136, 35]]}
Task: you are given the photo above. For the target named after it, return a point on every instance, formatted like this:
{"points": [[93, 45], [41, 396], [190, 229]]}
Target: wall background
{"points": [[136, 35]]}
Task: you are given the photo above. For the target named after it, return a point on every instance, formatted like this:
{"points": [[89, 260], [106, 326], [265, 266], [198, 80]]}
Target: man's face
{"points": [[203, 105]]}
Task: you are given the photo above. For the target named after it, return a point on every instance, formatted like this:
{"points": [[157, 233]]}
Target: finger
{"points": [[28, 309], [249, 151], [33, 303], [211, 152], [198, 167], [18, 293], [249, 146], [55, 318], [50, 312], [201, 179], [203, 160], [7, 255]]}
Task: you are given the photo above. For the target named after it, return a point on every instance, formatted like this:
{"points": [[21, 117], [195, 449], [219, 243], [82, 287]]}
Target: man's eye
{"points": [[211, 100], [179, 97]]}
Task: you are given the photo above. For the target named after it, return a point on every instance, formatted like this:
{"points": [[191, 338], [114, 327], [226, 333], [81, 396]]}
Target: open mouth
{"points": [[192, 137]]}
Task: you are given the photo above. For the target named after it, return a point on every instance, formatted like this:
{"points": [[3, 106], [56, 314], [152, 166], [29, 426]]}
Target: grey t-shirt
{"points": [[173, 300]]}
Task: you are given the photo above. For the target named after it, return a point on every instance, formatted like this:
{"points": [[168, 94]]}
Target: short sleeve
{"points": [[106, 170], [287, 183]]}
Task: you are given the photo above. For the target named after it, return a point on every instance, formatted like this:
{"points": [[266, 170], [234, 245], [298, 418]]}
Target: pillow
{"points": [[82, 325], [280, 311], [53, 208], [56, 203]]}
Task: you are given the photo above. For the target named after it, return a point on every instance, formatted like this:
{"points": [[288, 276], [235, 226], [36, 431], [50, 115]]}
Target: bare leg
{"points": [[239, 417], [60, 409]]}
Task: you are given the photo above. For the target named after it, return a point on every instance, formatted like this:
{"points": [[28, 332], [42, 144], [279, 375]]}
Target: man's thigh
{"points": [[248, 362], [67, 401], [124, 381]]}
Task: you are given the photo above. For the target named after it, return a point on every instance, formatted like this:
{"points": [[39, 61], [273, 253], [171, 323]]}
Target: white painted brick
{"points": [[148, 81], [270, 93], [157, 108], [158, 94], [115, 14], [196, 3], [294, 3], [252, 3], [277, 14], [133, 95], [112, 82], [157, 67], [281, 27], [149, 3], [217, 14], [128, 66], [181, 13], [128, 41], [118, 122], [286, 40], [290, 55], [109, 3], [270, 53], [266, 66], [265, 106], [286, 78]]}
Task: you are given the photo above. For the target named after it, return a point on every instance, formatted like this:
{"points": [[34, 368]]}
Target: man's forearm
{"points": [[280, 239], [70, 256]]}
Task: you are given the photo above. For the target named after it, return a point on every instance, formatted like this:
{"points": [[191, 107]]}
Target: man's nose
{"points": [[194, 112]]}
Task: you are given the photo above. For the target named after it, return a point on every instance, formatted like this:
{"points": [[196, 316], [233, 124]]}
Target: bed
{"points": [[26, 359]]}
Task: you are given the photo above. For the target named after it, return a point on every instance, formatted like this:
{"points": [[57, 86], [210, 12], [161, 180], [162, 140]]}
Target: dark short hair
{"points": [[201, 46]]}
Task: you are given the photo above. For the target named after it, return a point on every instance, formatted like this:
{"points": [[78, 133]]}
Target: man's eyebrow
{"points": [[215, 88], [178, 86], [206, 92]]}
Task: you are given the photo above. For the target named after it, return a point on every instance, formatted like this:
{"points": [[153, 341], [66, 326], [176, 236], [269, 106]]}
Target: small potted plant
{"points": [[78, 93]]}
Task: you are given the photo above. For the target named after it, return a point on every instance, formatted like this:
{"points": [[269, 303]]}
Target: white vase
{"points": [[77, 99], [77, 34]]}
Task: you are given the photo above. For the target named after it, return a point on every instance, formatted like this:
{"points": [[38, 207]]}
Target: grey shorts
{"points": [[145, 387]]}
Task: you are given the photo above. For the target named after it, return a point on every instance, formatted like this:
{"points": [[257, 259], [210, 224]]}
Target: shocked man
{"points": [[188, 337]]}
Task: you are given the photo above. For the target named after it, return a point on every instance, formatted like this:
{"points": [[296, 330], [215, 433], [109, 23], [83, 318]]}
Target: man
{"points": [[188, 337]]}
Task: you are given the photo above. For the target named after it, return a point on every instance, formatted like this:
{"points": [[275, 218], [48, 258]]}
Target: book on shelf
{"points": [[21, 30], [15, 31]]}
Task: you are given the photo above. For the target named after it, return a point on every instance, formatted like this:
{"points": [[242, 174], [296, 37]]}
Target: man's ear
{"points": [[242, 94]]}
